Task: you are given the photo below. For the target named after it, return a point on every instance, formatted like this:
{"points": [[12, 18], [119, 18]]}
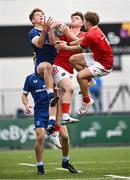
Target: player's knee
{"points": [[72, 59], [44, 67], [40, 139], [65, 139], [79, 77], [48, 67]]}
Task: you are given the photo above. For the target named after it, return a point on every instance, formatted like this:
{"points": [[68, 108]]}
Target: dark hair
{"points": [[77, 13], [92, 17], [33, 12]]}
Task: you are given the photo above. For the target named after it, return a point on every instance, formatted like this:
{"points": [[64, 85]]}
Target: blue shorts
{"points": [[41, 119]]}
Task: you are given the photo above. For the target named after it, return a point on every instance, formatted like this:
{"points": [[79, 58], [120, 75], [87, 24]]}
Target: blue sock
{"points": [[51, 95], [51, 122]]}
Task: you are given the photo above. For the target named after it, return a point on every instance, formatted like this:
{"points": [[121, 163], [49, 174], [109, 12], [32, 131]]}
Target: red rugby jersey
{"points": [[62, 57], [98, 44]]}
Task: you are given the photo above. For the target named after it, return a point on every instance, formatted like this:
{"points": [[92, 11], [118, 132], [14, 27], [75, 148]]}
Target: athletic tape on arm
{"points": [[80, 47]]}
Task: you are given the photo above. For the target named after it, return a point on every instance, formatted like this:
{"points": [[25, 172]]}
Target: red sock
{"points": [[65, 107], [86, 99], [57, 127]]}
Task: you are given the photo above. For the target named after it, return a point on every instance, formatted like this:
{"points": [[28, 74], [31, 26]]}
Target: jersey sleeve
{"points": [[27, 85], [86, 42], [33, 34]]}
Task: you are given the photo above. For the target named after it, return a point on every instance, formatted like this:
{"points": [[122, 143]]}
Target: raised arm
{"points": [[39, 41]]}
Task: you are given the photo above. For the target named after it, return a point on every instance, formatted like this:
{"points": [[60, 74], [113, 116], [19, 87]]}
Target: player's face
{"points": [[76, 21], [38, 17]]}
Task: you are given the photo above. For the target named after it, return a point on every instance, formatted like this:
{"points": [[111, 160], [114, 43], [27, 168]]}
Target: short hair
{"points": [[33, 12], [92, 17], [77, 13]]}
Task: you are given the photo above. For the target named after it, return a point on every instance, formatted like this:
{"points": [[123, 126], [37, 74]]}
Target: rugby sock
{"points": [[65, 107], [52, 118], [40, 163], [57, 127], [65, 158], [40, 168], [86, 99], [52, 121], [50, 93]]}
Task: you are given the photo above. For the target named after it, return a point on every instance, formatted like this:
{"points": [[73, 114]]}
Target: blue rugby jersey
{"points": [[36, 86], [47, 52]]}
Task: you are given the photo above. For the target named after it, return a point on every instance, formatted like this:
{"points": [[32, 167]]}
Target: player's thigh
{"points": [[85, 73], [78, 59], [66, 84]]}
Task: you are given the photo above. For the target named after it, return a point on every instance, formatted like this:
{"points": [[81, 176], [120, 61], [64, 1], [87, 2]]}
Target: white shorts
{"points": [[59, 73], [95, 67]]}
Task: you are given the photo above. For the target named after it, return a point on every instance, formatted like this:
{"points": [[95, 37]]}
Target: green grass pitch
{"points": [[106, 163]]}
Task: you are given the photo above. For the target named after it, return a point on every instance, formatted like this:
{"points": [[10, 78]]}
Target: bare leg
{"points": [[67, 90], [40, 135], [67, 87], [59, 109], [45, 71], [82, 79], [64, 141], [63, 132], [78, 61]]}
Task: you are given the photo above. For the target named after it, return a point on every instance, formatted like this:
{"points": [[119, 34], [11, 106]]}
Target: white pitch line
{"points": [[83, 162], [62, 169], [32, 165], [119, 177], [26, 164], [83, 179]]}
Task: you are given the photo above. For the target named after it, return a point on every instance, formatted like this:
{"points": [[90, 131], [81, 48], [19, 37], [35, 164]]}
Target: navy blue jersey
{"points": [[36, 86], [47, 52]]}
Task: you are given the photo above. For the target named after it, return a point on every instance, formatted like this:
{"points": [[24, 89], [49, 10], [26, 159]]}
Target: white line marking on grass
{"points": [[83, 162], [98, 178], [62, 169], [119, 177], [26, 164]]}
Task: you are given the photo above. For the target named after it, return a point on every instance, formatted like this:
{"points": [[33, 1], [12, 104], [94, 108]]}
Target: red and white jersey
{"points": [[62, 57], [98, 44]]}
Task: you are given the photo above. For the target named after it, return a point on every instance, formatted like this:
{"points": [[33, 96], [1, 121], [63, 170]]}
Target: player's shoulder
{"points": [[34, 31], [31, 30], [30, 76], [93, 33]]}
